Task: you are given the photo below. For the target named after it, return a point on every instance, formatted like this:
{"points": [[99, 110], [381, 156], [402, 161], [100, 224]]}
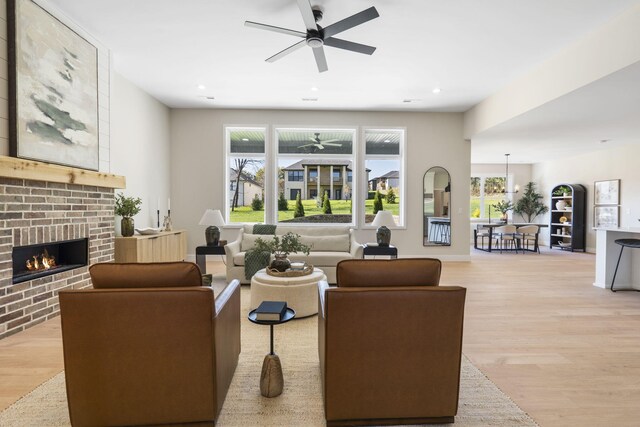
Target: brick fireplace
{"points": [[34, 212]]}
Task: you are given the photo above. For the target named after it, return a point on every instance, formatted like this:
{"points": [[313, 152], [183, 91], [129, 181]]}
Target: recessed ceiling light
{"points": [[436, 90], [202, 87], [315, 89], [245, 139]]}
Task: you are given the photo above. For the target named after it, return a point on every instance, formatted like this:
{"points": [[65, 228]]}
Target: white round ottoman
{"points": [[300, 293]]}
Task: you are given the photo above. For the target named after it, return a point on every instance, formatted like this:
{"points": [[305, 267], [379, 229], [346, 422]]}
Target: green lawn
{"points": [[246, 214], [488, 201]]}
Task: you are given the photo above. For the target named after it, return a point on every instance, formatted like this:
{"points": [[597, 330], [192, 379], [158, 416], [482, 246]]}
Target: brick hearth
{"points": [[37, 212]]}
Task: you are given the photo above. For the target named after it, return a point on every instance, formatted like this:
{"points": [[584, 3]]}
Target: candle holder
{"points": [[158, 218]]}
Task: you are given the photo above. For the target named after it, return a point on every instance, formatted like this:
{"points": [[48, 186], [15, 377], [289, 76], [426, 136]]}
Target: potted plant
{"points": [[127, 207], [563, 190], [504, 206], [281, 247], [530, 204]]}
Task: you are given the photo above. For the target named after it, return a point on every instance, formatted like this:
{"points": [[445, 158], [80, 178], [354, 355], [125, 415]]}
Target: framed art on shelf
{"points": [[606, 216], [607, 192], [53, 89]]}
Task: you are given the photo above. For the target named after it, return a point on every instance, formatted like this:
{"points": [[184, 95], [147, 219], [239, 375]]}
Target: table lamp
{"points": [[212, 218], [383, 220]]}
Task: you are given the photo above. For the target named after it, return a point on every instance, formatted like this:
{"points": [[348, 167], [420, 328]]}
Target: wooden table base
{"points": [[271, 379]]}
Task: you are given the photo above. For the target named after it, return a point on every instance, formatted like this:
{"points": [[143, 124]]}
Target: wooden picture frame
{"points": [[53, 89], [606, 216], [606, 192]]}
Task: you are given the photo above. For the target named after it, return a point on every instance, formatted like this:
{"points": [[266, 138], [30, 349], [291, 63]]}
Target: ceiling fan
{"points": [[316, 36], [319, 144]]}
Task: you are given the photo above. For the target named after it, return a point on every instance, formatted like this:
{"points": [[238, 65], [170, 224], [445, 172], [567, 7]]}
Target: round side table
{"points": [[271, 379]]}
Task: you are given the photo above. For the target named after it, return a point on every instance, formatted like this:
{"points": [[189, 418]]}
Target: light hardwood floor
{"points": [[566, 352]]}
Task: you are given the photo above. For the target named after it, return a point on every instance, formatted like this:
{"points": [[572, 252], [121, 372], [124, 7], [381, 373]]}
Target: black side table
{"points": [[271, 380], [203, 251], [390, 251]]}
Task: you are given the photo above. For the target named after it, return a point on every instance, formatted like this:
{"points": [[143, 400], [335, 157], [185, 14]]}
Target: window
{"points": [[322, 156], [245, 174], [266, 165], [384, 172], [294, 176], [485, 192]]}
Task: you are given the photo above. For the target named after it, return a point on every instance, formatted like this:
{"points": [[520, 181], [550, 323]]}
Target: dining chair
{"points": [[482, 233], [528, 234], [506, 236]]}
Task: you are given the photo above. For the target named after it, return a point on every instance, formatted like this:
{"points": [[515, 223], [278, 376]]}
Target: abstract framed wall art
{"points": [[607, 192], [53, 89], [606, 216]]}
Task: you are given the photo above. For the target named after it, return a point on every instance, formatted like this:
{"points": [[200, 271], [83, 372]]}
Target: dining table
{"points": [[491, 225]]}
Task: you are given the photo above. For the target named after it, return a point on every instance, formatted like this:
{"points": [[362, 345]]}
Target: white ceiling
{"points": [[468, 48]]}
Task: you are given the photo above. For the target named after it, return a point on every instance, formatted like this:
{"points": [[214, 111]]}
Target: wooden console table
{"points": [[165, 246]]}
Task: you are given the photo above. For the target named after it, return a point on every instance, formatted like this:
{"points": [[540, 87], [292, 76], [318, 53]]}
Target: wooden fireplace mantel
{"points": [[13, 167]]}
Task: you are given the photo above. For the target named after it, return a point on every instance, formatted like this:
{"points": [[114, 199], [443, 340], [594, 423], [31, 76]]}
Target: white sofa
{"points": [[329, 245]]}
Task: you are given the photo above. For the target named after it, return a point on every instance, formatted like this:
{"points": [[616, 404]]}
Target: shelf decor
{"points": [[607, 192], [53, 89]]}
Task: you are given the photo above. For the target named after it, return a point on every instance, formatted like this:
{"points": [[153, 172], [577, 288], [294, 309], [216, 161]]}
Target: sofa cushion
{"points": [[325, 230], [339, 243], [145, 275], [249, 240]]}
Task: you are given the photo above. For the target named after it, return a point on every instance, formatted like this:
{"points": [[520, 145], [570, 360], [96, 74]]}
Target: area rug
{"points": [[481, 402]]}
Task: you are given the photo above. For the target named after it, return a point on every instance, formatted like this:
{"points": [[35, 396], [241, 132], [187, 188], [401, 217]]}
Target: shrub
{"points": [[326, 204], [377, 203], [257, 204], [299, 210], [283, 204], [391, 196]]}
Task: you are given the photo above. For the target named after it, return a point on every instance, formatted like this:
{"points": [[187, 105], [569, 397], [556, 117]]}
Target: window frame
{"points": [[483, 176]]}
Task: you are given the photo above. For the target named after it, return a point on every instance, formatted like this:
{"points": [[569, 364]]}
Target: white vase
{"points": [[560, 205]]}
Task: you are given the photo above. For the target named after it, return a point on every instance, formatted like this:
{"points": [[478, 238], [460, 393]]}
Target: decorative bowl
{"points": [[148, 230], [564, 244]]}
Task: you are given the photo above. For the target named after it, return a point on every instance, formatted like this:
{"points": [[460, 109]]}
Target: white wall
{"points": [[140, 148], [433, 139], [615, 163]]}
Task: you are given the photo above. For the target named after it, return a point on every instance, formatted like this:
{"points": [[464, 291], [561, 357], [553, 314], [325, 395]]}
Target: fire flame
{"points": [[41, 262]]}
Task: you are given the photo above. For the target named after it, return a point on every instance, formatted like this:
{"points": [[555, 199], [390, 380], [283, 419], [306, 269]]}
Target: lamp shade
{"points": [[212, 217], [384, 218]]}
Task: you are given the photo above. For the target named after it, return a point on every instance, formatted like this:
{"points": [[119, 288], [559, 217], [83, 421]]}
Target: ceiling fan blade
{"points": [[307, 15], [347, 45], [306, 145], [286, 51], [329, 140], [274, 29], [331, 144], [350, 22], [320, 147], [321, 60]]}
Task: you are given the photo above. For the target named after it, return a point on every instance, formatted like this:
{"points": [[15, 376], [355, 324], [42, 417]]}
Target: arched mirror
{"points": [[436, 191]]}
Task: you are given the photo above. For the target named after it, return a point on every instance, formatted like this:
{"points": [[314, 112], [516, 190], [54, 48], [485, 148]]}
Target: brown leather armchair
{"points": [[390, 343], [149, 345]]}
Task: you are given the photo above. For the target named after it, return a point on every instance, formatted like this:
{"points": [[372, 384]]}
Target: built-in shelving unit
{"points": [[568, 216]]}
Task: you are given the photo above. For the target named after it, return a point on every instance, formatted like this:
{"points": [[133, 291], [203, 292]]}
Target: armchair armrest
{"points": [[233, 248], [226, 325], [355, 248], [322, 288]]}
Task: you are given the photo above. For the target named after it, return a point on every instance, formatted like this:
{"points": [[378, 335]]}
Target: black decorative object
{"points": [[383, 236], [212, 235], [214, 220], [382, 220]]}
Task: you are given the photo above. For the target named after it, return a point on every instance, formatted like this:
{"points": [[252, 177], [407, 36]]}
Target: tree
{"points": [[326, 204], [391, 196], [530, 204], [299, 210], [377, 202], [240, 164], [283, 204], [257, 204]]}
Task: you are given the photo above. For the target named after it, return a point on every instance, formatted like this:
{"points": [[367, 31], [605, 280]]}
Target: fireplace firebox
{"points": [[35, 261]]}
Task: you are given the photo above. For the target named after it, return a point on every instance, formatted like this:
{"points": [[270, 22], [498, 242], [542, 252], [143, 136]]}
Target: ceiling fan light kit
{"points": [[316, 37]]}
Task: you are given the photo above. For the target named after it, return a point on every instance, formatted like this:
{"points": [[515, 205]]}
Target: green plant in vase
{"points": [[281, 247], [127, 207], [563, 190], [504, 206]]}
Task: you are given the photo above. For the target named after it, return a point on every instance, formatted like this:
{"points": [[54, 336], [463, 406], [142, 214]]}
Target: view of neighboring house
{"points": [[249, 188], [384, 182], [312, 178]]}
